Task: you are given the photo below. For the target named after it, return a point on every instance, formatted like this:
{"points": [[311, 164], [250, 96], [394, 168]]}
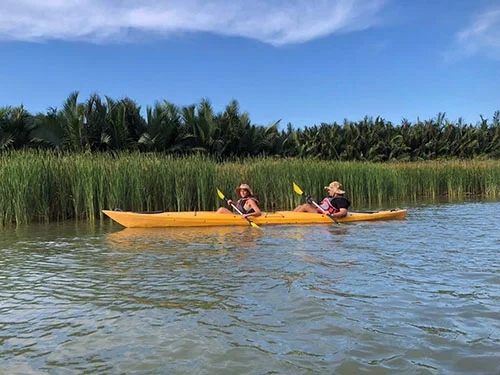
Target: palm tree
{"points": [[204, 127], [16, 127], [6, 139], [163, 128], [48, 130], [97, 125], [71, 118], [132, 121]]}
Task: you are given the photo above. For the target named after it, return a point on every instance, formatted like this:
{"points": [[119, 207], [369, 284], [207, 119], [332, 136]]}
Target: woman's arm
{"points": [[256, 208], [342, 212]]}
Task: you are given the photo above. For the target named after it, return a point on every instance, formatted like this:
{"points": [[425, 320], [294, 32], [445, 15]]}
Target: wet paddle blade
{"points": [[254, 225]]}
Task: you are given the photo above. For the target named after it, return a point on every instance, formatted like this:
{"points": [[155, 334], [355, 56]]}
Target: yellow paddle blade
{"points": [[254, 225], [297, 189], [221, 196]]}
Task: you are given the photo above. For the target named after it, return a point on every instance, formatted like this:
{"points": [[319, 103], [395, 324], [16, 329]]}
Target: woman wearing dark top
{"points": [[335, 204]]}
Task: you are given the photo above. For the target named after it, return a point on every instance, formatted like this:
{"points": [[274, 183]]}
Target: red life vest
{"points": [[327, 206]]}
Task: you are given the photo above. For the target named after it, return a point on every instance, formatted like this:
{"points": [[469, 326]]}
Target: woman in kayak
{"points": [[247, 204], [335, 204]]}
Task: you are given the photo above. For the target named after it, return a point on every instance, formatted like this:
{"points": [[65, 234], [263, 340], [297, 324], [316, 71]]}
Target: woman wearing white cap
{"points": [[335, 204], [247, 204]]}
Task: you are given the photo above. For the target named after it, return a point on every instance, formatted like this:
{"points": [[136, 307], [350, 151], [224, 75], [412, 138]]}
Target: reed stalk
{"points": [[48, 186]]}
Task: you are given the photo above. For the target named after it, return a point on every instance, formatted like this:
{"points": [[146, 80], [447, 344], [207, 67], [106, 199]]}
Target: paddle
{"points": [[221, 196], [310, 200]]}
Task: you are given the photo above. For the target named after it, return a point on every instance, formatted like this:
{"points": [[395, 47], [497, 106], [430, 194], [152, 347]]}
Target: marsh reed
{"points": [[48, 186]]}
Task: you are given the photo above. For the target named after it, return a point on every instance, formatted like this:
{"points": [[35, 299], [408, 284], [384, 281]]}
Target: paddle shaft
{"points": [[238, 211]]}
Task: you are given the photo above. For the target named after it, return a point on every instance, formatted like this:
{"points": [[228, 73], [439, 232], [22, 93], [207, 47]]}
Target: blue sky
{"points": [[301, 61]]}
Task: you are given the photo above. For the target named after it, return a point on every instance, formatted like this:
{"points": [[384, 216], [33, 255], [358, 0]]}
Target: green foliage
{"points": [[16, 126], [103, 125], [46, 185], [99, 154]]}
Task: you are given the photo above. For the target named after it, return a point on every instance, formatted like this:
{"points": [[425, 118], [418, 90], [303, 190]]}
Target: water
{"points": [[420, 296]]}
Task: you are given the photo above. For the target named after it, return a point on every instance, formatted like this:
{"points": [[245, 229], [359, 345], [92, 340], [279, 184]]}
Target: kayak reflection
{"points": [[184, 238]]}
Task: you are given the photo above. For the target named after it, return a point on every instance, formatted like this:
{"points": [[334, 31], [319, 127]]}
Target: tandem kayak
{"points": [[211, 219]]}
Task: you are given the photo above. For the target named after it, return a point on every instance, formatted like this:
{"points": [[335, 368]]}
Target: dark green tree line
{"points": [[106, 124]]}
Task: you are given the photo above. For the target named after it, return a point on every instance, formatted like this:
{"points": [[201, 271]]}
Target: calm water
{"points": [[420, 296]]}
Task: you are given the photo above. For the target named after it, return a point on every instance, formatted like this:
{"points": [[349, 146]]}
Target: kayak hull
{"points": [[211, 219]]}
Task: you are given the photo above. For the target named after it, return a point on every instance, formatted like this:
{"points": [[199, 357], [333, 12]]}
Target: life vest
{"points": [[326, 205], [241, 204]]}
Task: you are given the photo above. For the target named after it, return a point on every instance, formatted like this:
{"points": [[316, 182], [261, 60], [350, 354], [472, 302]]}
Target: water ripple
{"points": [[416, 296]]}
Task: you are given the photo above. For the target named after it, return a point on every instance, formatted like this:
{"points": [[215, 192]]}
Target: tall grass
{"points": [[46, 186]]}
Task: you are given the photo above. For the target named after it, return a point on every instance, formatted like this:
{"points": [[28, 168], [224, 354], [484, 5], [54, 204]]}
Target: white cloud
{"points": [[482, 36], [276, 22]]}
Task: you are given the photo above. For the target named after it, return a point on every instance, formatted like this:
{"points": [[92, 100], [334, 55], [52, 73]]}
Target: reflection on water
{"points": [[151, 239], [420, 296]]}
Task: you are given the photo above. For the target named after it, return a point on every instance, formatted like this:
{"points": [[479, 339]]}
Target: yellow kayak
{"points": [[211, 219]]}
